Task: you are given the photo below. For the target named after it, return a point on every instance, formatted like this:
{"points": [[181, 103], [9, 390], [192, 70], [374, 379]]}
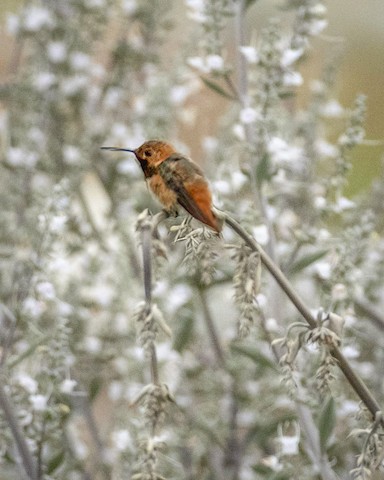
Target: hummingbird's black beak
{"points": [[117, 149]]}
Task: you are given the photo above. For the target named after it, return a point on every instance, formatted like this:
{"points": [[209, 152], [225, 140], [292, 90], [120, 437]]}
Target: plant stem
{"points": [[354, 380]]}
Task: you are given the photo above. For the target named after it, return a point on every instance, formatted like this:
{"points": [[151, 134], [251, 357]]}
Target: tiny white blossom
{"points": [[326, 149], [74, 85], [351, 351], [71, 154], [179, 94], [289, 445], [238, 131], [260, 232], [222, 186], [94, 3], [57, 52], [282, 152], [129, 6], [319, 202], [43, 81], [196, 10], [339, 292], [198, 63], [13, 24], [92, 344], [324, 270], [68, 385], [317, 26], [32, 307], [27, 382], [290, 56], [80, 61], [37, 18], [332, 109], [38, 402], [343, 204], [292, 79], [122, 440], [57, 223], [46, 290], [248, 115], [249, 53]]}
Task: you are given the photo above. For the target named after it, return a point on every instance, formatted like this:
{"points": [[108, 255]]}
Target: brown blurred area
{"points": [[354, 25]]}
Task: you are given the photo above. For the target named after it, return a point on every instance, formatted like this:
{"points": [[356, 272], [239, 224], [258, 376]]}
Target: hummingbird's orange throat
{"points": [[175, 180]]}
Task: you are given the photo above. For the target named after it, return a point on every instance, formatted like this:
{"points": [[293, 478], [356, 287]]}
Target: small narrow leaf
{"points": [[217, 88], [183, 333], [305, 261], [254, 354], [326, 422], [55, 462]]}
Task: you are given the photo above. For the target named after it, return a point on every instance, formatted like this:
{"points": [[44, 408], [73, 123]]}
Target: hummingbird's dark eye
{"points": [[148, 153]]}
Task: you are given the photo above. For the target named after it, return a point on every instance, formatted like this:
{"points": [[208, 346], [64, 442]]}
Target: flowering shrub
{"points": [[144, 347]]}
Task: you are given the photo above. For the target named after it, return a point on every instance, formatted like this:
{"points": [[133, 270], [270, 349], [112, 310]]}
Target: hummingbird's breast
{"points": [[166, 196]]}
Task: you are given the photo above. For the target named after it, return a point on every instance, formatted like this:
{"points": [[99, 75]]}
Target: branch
{"points": [[354, 380], [21, 445]]}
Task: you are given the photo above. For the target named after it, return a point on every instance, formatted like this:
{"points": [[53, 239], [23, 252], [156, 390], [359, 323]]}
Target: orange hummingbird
{"points": [[175, 179]]}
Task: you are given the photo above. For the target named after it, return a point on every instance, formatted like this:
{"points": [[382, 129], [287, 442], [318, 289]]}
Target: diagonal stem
{"points": [[354, 380]]}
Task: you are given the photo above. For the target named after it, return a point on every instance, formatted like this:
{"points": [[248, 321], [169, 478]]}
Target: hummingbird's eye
{"points": [[148, 153]]}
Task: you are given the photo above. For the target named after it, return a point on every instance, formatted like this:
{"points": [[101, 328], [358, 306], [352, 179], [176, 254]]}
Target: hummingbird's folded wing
{"points": [[186, 179]]}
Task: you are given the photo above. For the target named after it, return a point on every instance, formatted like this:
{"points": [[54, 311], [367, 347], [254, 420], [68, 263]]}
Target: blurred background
{"points": [[357, 27]]}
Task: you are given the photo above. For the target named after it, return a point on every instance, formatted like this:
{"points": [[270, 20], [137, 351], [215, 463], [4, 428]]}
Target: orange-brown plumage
{"points": [[175, 179]]}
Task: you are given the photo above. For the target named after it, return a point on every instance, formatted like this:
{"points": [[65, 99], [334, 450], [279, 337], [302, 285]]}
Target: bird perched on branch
{"points": [[175, 180]]}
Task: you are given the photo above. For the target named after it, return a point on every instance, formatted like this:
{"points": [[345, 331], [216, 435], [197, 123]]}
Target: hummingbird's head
{"points": [[154, 152], [150, 154]]}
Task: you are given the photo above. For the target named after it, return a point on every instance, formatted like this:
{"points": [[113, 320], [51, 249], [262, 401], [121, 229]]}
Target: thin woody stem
{"points": [[26, 457], [355, 381], [146, 240]]}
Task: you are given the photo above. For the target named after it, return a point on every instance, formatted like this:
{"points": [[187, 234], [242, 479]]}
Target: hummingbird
{"points": [[175, 180]]}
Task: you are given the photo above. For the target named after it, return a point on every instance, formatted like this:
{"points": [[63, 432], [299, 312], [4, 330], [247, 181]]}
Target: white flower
{"points": [[211, 63], [57, 223], [18, 157], [282, 152], [80, 61], [92, 344], [339, 292], [179, 94], [198, 63], [74, 85], [326, 149], [13, 24], [94, 3], [57, 52], [317, 26], [32, 307], [290, 56], [37, 18], [122, 440], [43, 81], [129, 6], [351, 351], [71, 154], [67, 385], [249, 53], [343, 204], [39, 402], [248, 115], [260, 232], [27, 382], [46, 290], [292, 79], [289, 445], [332, 109], [238, 131], [323, 270], [196, 10]]}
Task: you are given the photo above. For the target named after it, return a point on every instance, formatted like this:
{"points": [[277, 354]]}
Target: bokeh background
{"points": [[355, 25]]}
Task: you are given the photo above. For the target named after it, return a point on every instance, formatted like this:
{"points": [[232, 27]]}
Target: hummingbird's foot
{"points": [[171, 212]]}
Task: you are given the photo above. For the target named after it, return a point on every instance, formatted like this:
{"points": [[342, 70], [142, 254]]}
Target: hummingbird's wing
{"points": [[186, 179]]}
